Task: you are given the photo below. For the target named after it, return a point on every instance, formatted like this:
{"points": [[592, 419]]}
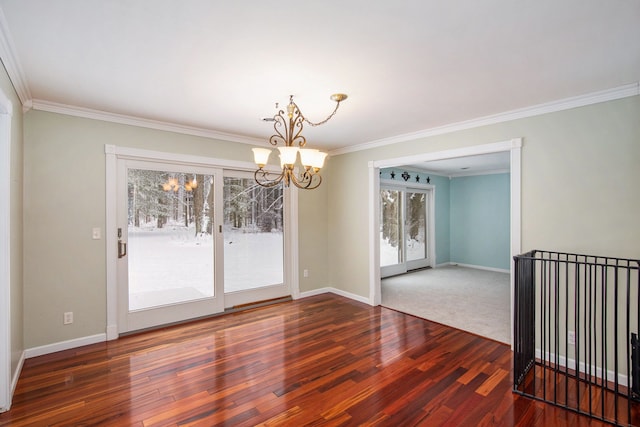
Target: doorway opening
{"points": [[512, 147]]}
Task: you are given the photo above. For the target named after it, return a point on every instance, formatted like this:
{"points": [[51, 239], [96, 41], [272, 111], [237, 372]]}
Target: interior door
{"points": [[169, 243], [254, 227]]}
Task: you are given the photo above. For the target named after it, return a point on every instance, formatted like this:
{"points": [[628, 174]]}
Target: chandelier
{"points": [[289, 135], [172, 184]]}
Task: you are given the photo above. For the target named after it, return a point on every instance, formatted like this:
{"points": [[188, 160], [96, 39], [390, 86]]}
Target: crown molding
{"points": [[487, 172], [450, 176], [620, 92], [88, 113], [12, 64]]}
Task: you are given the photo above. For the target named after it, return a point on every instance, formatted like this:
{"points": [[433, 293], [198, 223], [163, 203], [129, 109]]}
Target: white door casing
{"points": [[5, 253]]}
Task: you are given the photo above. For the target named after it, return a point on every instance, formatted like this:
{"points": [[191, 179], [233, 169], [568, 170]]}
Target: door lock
{"points": [[122, 245]]}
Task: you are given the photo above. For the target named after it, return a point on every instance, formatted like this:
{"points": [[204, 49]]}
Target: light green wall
{"points": [[579, 185], [64, 199], [15, 221], [312, 229]]}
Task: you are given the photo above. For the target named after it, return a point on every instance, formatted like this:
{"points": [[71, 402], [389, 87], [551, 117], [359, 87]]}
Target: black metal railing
{"points": [[575, 333]]}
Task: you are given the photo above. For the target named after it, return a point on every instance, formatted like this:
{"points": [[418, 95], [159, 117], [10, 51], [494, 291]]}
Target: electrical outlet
{"points": [[571, 338], [68, 318], [305, 273]]}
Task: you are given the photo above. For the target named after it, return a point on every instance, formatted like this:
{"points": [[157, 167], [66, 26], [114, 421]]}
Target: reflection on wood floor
{"points": [[323, 360]]}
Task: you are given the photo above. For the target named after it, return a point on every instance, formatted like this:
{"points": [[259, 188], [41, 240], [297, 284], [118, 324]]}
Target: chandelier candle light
{"points": [[289, 134]]}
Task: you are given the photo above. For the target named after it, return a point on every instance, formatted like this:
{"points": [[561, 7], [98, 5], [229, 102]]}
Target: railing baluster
{"points": [[600, 372]]}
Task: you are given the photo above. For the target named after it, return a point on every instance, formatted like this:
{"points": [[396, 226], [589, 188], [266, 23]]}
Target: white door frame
{"points": [[514, 146], [6, 110], [112, 154]]}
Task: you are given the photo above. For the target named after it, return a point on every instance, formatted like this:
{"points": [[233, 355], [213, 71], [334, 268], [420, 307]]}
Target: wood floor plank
{"points": [[320, 361]]}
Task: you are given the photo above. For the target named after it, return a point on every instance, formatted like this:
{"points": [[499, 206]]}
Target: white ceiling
{"points": [[407, 65]]}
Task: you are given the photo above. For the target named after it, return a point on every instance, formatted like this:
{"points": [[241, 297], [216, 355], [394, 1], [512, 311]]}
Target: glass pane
{"points": [[253, 235], [416, 229], [170, 248], [390, 227]]}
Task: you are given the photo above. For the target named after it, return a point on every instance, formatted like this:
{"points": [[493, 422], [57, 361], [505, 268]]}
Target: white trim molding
{"points": [[590, 369], [12, 64], [336, 291], [88, 113], [17, 372], [6, 393], [64, 345], [477, 267], [619, 92], [374, 236], [292, 245]]}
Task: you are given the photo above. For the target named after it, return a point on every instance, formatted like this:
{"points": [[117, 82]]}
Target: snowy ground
{"points": [[389, 253], [171, 264]]}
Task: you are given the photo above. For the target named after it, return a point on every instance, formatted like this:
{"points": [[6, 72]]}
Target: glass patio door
{"points": [[415, 230], [391, 236], [169, 266], [404, 229], [254, 244]]}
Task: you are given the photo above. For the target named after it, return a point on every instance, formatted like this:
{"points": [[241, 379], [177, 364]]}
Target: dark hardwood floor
{"points": [[324, 360]]}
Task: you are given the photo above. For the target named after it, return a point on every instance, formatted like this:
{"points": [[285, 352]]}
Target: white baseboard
{"points": [[478, 267], [593, 370], [17, 372], [64, 345], [112, 332], [340, 292]]}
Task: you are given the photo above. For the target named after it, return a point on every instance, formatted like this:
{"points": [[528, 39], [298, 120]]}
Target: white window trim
{"points": [[112, 154]]}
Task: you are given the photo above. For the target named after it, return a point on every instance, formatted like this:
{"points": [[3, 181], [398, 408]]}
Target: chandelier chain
{"points": [[325, 120]]}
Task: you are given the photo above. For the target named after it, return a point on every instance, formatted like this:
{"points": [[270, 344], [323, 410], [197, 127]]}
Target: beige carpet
{"points": [[473, 300]]}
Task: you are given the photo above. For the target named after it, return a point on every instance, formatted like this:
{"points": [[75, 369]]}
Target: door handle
{"points": [[122, 249], [122, 246]]}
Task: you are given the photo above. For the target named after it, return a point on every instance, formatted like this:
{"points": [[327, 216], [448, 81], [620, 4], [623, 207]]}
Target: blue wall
{"points": [[480, 223], [443, 218], [472, 217]]}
